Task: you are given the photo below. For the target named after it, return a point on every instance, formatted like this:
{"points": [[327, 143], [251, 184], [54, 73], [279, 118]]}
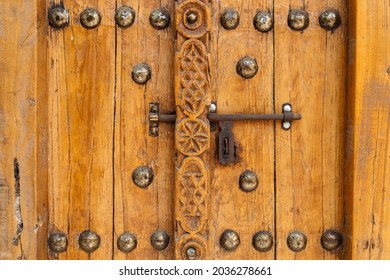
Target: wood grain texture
{"points": [[310, 73], [231, 208], [143, 211], [368, 161], [21, 97], [81, 78]]}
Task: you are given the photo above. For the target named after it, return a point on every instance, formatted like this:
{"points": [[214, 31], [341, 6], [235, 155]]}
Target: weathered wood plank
{"points": [[231, 208], [81, 79], [143, 211], [368, 161], [310, 74], [22, 96]]}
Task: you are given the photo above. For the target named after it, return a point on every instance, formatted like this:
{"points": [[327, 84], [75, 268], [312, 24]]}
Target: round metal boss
{"points": [[124, 16], [160, 240], [296, 241], [262, 241], [191, 253], [298, 20], [90, 18], [248, 181], [126, 242], [142, 176], [230, 240], [58, 17], [263, 21], [230, 19], [247, 67], [331, 240], [160, 18], [89, 241], [192, 18], [330, 19], [57, 242], [141, 73]]}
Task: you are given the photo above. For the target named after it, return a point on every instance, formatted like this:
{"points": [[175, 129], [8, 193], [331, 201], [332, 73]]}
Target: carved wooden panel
{"points": [[192, 129]]}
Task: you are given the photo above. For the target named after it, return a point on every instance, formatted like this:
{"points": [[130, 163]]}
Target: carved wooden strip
{"points": [[192, 133]]}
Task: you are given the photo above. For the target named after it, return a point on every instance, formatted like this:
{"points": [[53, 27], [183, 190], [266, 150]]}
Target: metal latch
{"points": [[227, 153]]}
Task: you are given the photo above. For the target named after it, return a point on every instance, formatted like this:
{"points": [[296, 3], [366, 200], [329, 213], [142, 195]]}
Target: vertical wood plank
{"points": [[22, 138], [144, 211], [368, 158], [81, 77], [310, 73], [231, 208]]}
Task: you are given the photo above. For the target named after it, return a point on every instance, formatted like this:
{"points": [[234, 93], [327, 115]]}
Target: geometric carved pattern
{"points": [[194, 83], [192, 133], [192, 137]]}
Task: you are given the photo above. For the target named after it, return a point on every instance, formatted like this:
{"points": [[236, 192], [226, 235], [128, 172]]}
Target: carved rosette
{"points": [[192, 128]]}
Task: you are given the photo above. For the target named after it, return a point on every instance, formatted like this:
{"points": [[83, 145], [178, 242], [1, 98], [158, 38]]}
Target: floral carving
{"points": [[192, 137]]}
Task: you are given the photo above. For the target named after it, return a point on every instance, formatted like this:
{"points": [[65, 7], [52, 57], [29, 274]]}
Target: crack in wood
{"points": [[18, 212]]}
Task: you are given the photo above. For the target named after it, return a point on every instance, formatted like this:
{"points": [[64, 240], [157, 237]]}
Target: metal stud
{"points": [[89, 241], [298, 20], [90, 18], [247, 67], [58, 17], [142, 176], [141, 73], [213, 107], [248, 181], [262, 241], [191, 253], [230, 19], [330, 19], [124, 16], [160, 240], [230, 240], [296, 241], [160, 18], [126, 242], [331, 240], [263, 21], [192, 18], [57, 242]]}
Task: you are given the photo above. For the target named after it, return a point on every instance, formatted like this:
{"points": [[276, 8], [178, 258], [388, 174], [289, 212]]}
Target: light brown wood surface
{"points": [[78, 126], [22, 130], [231, 208], [81, 79], [368, 146], [143, 211], [310, 72]]}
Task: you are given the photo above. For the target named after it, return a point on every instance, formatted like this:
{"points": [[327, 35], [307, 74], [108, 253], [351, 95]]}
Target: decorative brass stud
{"points": [[263, 21], [89, 241], [160, 240], [90, 18], [330, 19], [126, 242], [296, 241], [230, 19], [192, 18], [247, 67], [124, 16], [142, 176], [230, 240], [262, 241], [141, 73], [58, 17], [160, 18], [298, 20], [57, 242], [191, 253], [248, 181], [331, 240]]}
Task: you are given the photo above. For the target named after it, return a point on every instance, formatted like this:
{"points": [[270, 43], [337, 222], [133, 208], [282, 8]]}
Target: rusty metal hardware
{"points": [[58, 17], [247, 67], [141, 73], [229, 240], [263, 21], [160, 240], [330, 19], [124, 16], [57, 242], [127, 242], [248, 181], [227, 151], [89, 241], [297, 241], [230, 19], [160, 18], [331, 240], [143, 176], [298, 20], [90, 18], [262, 241]]}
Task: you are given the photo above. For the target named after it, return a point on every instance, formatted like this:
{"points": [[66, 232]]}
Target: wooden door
{"points": [[121, 129]]}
